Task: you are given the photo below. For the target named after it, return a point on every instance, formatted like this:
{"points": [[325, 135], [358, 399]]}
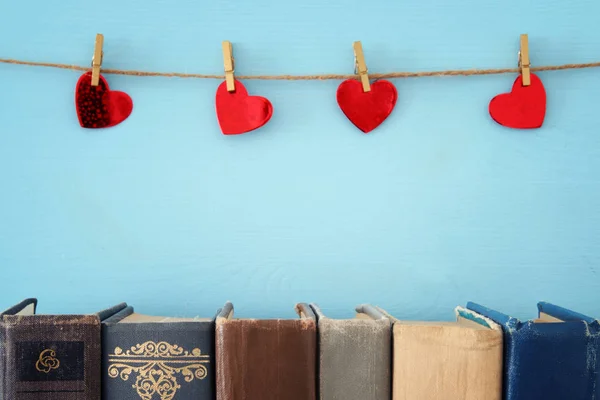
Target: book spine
{"points": [[3, 360], [7, 363], [447, 362], [266, 359], [51, 358], [544, 349], [158, 361], [346, 344]]}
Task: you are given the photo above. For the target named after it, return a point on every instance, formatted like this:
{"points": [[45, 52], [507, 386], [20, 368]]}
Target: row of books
{"points": [[118, 354]]}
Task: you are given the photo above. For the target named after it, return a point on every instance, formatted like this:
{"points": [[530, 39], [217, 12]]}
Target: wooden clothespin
{"points": [[361, 66], [524, 60], [229, 63], [97, 60]]}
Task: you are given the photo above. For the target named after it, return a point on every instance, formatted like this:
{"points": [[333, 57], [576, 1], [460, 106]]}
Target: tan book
{"points": [[459, 360]]}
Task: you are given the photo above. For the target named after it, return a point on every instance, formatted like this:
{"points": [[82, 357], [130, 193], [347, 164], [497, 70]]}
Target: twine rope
{"points": [[456, 72]]}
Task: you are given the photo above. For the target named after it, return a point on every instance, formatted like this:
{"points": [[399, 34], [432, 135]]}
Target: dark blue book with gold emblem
{"points": [[160, 358], [553, 357], [50, 357]]}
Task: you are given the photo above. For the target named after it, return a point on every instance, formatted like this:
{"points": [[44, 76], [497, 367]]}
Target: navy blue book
{"points": [[159, 358], [553, 357]]}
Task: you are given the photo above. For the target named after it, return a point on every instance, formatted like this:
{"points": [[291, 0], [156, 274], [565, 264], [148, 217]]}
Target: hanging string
{"points": [[456, 72]]}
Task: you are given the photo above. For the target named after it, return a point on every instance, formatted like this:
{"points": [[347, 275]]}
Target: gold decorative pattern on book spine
{"points": [[157, 366], [47, 361]]}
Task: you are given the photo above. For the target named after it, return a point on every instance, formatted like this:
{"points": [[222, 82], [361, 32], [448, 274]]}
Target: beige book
{"points": [[459, 360]]}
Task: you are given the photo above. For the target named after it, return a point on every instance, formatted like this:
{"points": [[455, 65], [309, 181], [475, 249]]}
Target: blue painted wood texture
{"points": [[437, 206]]}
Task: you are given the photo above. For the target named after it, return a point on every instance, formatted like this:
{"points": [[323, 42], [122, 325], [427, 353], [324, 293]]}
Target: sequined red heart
{"points": [[98, 106], [523, 108], [367, 110], [239, 113]]}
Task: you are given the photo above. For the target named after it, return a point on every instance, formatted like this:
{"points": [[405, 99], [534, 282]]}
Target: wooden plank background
{"points": [[436, 207]]}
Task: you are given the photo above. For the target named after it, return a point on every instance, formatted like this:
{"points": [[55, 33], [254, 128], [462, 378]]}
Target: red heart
{"points": [[367, 110], [523, 108], [239, 113], [98, 106]]}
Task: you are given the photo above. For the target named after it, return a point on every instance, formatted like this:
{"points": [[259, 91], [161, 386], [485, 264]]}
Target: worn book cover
{"points": [[261, 359], [447, 360], [50, 357], [157, 358], [354, 355], [552, 357]]}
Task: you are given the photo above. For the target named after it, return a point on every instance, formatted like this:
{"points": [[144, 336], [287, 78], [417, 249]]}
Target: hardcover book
{"points": [[354, 355], [552, 357], [50, 357], [157, 358], [266, 359], [447, 360]]}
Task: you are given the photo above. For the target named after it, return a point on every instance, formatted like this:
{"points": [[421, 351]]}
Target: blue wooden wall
{"points": [[436, 207]]}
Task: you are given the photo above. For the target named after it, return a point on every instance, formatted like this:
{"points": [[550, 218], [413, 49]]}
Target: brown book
{"points": [[447, 360], [261, 359], [50, 357], [355, 355]]}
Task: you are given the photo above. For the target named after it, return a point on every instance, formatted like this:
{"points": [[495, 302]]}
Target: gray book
{"points": [[354, 355]]}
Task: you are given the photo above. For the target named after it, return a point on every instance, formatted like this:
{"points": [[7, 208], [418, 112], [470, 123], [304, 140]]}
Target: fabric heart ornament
{"points": [[239, 113], [367, 110], [98, 106], [523, 108]]}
